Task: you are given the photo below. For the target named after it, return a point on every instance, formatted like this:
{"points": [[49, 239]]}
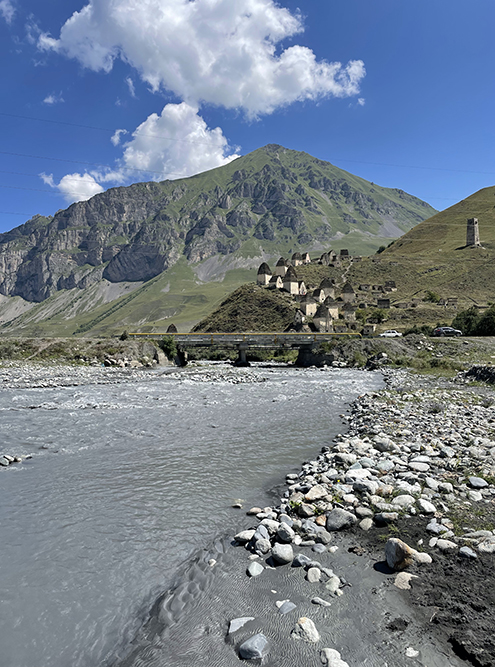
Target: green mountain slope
{"points": [[138, 256]]}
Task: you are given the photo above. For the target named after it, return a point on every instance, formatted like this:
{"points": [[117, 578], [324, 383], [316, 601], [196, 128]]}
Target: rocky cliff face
{"points": [[135, 233]]}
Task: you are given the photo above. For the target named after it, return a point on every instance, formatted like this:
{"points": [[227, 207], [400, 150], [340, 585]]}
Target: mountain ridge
{"points": [[134, 233]]}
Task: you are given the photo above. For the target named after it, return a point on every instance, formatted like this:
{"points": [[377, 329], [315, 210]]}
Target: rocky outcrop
{"points": [[135, 233]]}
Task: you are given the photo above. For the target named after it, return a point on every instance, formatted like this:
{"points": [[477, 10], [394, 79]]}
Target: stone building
{"points": [[276, 282], [319, 295], [264, 274], [291, 282], [349, 312], [302, 288], [308, 305], [306, 258], [281, 267], [296, 259], [473, 233], [333, 306], [348, 293], [328, 287], [383, 303], [323, 320]]}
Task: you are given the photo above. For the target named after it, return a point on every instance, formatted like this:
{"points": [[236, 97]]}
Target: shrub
{"points": [[167, 344], [431, 297]]}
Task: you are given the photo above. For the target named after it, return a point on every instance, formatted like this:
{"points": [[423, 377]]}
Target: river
{"points": [[127, 480]]}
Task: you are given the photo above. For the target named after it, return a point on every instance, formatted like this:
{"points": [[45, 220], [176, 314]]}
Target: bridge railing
{"points": [[249, 338]]}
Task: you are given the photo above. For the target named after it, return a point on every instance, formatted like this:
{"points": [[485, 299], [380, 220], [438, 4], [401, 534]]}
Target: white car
{"points": [[391, 333]]}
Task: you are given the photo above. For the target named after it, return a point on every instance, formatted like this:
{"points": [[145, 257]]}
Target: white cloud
{"points": [[74, 187], [115, 139], [7, 10], [176, 144], [361, 101], [130, 85], [222, 52], [53, 99]]}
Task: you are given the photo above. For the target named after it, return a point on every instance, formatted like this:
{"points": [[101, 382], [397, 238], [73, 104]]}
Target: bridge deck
{"points": [[247, 339]]}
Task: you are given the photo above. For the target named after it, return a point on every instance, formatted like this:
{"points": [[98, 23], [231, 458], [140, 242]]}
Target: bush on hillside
{"points": [[473, 323]]}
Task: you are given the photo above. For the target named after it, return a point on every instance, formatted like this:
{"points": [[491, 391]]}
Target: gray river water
{"points": [[126, 481]]}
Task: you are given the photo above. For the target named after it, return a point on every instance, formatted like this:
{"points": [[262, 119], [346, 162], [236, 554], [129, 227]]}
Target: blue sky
{"points": [[400, 93]]}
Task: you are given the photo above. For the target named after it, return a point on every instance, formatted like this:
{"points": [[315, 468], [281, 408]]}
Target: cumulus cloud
{"points": [[7, 10], [361, 101], [177, 143], [74, 187], [222, 52], [53, 99]]}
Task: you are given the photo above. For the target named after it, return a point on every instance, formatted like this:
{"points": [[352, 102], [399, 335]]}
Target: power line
{"points": [[204, 143], [103, 129], [90, 164]]}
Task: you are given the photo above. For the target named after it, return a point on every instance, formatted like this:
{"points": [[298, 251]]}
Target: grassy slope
{"points": [[251, 308]]}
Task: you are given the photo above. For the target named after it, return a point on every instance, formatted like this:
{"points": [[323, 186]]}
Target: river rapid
{"points": [[127, 479]]}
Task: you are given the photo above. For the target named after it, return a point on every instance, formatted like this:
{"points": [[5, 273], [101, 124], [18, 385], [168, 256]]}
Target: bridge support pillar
{"points": [[304, 356], [242, 358], [181, 358]]}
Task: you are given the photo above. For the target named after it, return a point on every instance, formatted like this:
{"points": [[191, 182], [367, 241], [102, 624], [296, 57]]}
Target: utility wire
{"points": [[104, 129], [203, 143]]}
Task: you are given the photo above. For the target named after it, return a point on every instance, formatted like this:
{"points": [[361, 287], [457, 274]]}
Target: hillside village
{"points": [[338, 306]]}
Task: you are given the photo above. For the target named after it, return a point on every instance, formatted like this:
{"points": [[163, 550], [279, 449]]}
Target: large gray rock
{"points": [[398, 554], [285, 533], [255, 647], [282, 553], [244, 536], [338, 519], [306, 630]]}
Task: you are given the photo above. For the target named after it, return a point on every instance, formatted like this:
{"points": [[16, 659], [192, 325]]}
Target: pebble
{"points": [[321, 602], [255, 569]]}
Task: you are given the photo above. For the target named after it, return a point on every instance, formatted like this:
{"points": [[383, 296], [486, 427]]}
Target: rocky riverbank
{"points": [[418, 463]]}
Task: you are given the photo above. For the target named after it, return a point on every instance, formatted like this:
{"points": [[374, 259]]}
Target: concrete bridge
{"points": [[304, 342]]}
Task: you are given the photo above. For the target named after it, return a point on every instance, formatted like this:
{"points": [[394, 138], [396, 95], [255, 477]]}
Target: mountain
{"points": [[180, 246]]}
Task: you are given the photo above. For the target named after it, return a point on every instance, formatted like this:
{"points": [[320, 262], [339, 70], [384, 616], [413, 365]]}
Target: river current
{"points": [[127, 480]]}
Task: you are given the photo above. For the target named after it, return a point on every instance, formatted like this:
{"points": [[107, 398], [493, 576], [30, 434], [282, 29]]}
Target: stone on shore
{"points": [[286, 607], [238, 623], [313, 575], [244, 536], [477, 482], [398, 554], [338, 519], [331, 658], [282, 553], [255, 569], [306, 630], [254, 648]]}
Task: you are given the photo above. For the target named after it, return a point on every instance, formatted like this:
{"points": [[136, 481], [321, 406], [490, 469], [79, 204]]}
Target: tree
{"points": [[467, 321]]}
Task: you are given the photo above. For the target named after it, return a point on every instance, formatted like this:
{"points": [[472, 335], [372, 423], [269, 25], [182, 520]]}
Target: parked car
{"points": [[390, 333], [446, 331]]}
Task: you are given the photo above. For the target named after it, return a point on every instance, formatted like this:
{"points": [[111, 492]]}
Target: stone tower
{"points": [[473, 233]]}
